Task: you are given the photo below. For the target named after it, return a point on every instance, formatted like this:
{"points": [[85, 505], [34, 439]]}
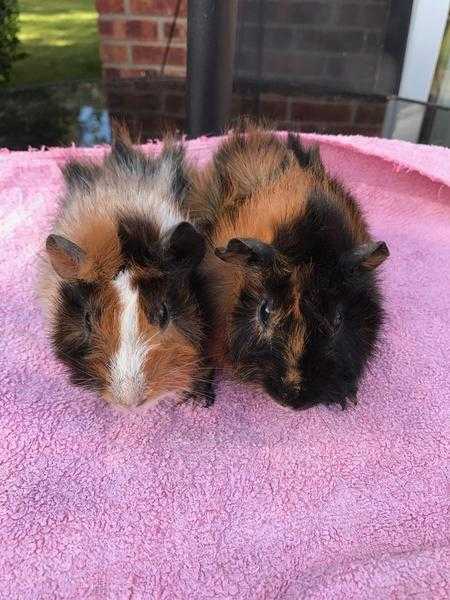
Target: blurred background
{"points": [[370, 67]]}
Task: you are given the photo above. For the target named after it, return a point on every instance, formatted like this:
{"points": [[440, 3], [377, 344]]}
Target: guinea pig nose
{"points": [[127, 396], [289, 395], [134, 399]]}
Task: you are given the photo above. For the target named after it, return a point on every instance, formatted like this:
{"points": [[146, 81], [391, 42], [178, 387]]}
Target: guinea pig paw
{"points": [[204, 396], [184, 398], [353, 400], [349, 400], [206, 400]]}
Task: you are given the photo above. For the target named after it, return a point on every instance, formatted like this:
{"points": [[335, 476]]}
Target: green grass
{"points": [[60, 39]]}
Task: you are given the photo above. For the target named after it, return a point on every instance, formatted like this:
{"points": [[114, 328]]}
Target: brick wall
{"points": [[151, 106], [337, 44], [334, 43], [321, 114], [138, 37]]}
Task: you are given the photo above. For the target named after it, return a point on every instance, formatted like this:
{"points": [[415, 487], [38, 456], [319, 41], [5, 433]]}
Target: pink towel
{"points": [[245, 500]]}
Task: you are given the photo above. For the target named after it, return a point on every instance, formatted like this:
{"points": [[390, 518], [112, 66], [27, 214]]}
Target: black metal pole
{"points": [[211, 40]]}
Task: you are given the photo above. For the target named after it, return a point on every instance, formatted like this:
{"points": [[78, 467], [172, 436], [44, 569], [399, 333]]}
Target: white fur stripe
{"points": [[127, 366]]}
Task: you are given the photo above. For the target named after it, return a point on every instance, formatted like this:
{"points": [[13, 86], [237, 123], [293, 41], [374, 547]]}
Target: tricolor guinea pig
{"points": [[125, 301], [298, 307]]}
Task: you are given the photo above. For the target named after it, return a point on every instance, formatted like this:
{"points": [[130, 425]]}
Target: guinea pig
{"points": [[298, 307], [126, 304]]}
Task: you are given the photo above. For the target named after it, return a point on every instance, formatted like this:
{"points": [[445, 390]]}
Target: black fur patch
{"points": [[175, 155], [307, 158], [322, 230], [71, 335], [303, 156], [334, 358], [203, 390], [139, 241], [184, 246], [340, 313]]}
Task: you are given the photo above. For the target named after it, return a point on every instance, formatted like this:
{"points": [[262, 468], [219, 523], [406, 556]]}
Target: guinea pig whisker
{"points": [[153, 337], [74, 361], [186, 365]]}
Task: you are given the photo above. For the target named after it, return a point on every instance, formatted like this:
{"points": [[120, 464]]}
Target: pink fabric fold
{"points": [[244, 500]]}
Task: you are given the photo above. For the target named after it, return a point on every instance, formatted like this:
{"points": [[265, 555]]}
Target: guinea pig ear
{"points": [[246, 250], [186, 247], [367, 257], [65, 256]]}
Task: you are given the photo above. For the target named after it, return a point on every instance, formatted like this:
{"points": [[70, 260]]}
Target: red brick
{"points": [[307, 111], [132, 73], [151, 82], [113, 74], [178, 34], [242, 105], [144, 102], [154, 55], [370, 114], [355, 130], [179, 72], [152, 102], [147, 55], [109, 6], [153, 127], [110, 74], [162, 8], [112, 28], [175, 104], [176, 57], [114, 54], [291, 126], [115, 100], [273, 107], [371, 131], [105, 27], [142, 30]]}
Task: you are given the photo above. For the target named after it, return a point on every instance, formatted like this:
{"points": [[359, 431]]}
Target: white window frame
{"points": [[426, 31]]}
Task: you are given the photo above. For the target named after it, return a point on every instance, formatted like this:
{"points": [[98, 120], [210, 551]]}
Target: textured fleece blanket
{"points": [[245, 500]]}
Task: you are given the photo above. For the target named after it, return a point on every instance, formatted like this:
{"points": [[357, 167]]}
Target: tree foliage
{"points": [[9, 42]]}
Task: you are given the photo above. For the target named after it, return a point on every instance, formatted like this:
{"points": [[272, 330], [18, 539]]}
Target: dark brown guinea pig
{"points": [[297, 302], [125, 301]]}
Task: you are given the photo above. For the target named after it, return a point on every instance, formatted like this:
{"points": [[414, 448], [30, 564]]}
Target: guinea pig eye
{"points": [[163, 315], [264, 312], [88, 321], [338, 318]]}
